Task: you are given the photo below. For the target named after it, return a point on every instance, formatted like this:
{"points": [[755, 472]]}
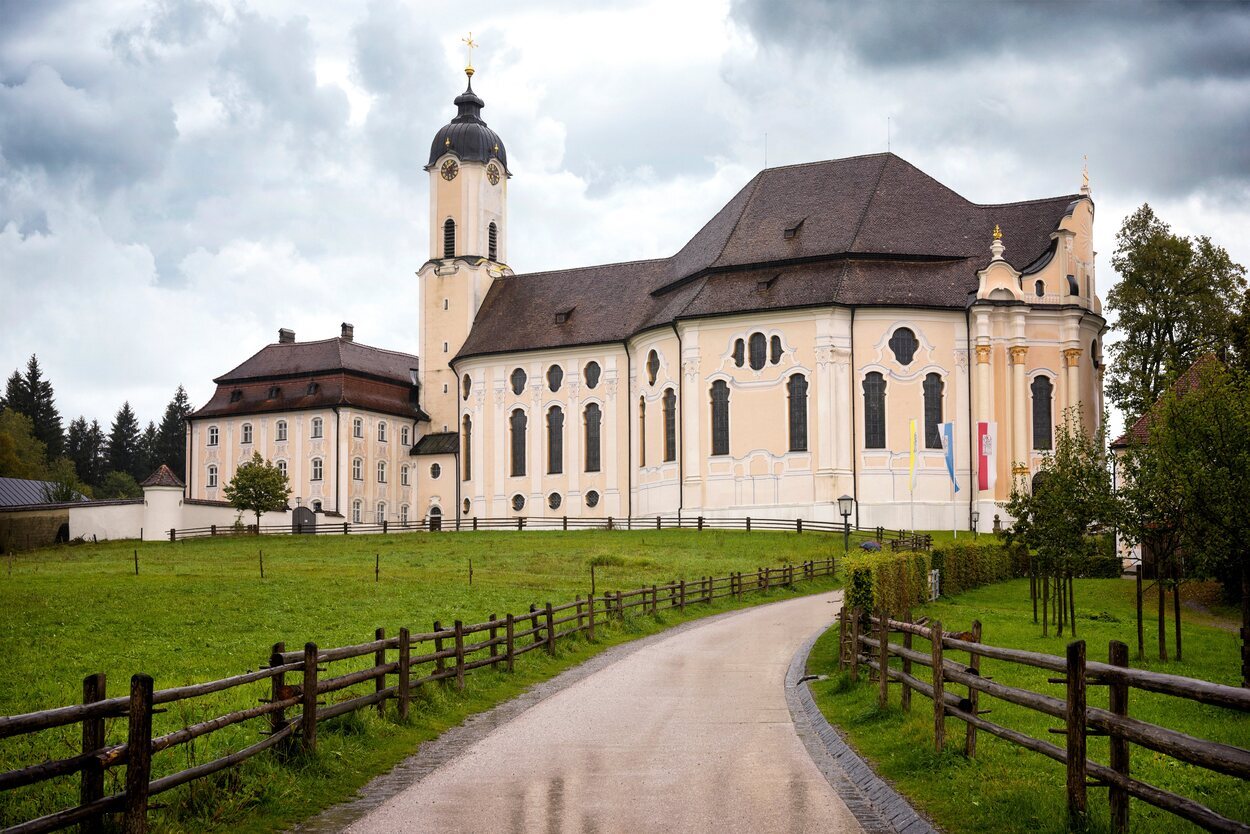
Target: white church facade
{"points": [[773, 364]]}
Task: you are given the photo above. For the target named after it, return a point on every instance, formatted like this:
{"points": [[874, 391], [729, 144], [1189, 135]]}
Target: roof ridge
{"points": [[872, 195], [1069, 197], [830, 161], [592, 266]]}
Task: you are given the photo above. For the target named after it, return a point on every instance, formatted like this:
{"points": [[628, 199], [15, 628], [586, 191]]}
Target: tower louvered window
{"points": [[1043, 393], [555, 440], [670, 425], [720, 417], [874, 411], [466, 456], [518, 421], [449, 238], [933, 386], [492, 242], [594, 418], [797, 389]]}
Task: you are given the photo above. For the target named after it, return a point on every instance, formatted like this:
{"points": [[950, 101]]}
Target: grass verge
{"points": [[1006, 788]]}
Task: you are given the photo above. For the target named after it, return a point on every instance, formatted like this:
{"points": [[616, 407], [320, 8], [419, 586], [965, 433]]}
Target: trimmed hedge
{"points": [[967, 565], [895, 581]]}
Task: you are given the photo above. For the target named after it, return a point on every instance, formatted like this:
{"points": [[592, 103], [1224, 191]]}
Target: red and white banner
{"points": [[987, 455]]}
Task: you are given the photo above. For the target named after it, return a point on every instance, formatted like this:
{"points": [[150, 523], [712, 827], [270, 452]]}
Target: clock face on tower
{"points": [[450, 169], [492, 173]]}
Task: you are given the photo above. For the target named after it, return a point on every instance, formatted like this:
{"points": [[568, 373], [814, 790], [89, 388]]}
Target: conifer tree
{"points": [[147, 449], [123, 444], [172, 434]]}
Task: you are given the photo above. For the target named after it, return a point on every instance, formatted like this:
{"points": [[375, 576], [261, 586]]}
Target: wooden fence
{"points": [[297, 680], [865, 641], [326, 527]]}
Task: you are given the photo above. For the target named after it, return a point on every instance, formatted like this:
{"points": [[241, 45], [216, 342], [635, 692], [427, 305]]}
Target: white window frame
{"points": [[317, 469], [403, 475], [214, 435], [358, 427], [404, 436], [358, 469], [403, 513], [317, 428], [381, 472], [281, 466], [211, 481], [356, 511], [279, 431], [246, 431], [381, 431], [381, 512]]}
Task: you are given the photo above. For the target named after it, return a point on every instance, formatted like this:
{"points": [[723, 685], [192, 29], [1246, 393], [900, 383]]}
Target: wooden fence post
{"points": [[590, 615], [768, 575], [1075, 728], [509, 653], [379, 659], [494, 631], [277, 720], [564, 522], [91, 786], [551, 631], [439, 663], [654, 604], [139, 762], [883, 658], [620, 606], [798, 525], [308, 695], [474, 524], [939, 691], [855, 617], [459, 632], [1119, 746], [905, 696], [748, 524], [700, 524], [974, 666], [405, 666]]}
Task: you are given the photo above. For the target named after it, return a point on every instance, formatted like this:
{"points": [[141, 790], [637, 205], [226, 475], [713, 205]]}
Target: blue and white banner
{"points": [[947, 431]]}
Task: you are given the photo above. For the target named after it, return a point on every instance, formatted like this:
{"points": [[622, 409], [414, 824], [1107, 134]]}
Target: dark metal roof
{"points": [[467, 136], [439, 443], [875, 230], [20, 492]]}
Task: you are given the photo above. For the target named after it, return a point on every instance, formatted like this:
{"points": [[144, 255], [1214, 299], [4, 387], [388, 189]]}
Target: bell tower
{"points": [[468, 169]]}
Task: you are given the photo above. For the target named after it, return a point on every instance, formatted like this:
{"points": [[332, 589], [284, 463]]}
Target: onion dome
{"points": [[466, 136]]}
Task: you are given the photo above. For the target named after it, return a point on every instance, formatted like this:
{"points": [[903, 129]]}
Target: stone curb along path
{"points": [[622, 742]]}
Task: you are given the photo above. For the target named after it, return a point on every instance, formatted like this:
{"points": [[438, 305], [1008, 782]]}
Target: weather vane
{"points": [[471, 44]]}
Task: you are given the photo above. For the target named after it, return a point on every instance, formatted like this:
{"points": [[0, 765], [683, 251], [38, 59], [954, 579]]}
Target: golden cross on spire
{"points": [[998, 233], [471, 44]]}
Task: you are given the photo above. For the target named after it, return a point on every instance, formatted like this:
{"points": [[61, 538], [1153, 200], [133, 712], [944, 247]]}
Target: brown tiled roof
{"points": [[297, 358], [1139, 432], [868, 230], [162, 477], [439, 443]]}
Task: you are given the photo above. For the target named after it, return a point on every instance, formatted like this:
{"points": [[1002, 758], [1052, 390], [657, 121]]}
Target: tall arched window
{"points": [[670, 424], [555, 440], [757, 350], [593, 418], [720, 417], [247, 433], [797, 389], [874, 411], [933, 386], [642, 432], [1043, 392], [517, 422], [449, 238], [466, 438], [492, 242], [904, 344]]}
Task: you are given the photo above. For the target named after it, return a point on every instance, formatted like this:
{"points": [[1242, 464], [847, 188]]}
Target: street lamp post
{"points": [[845, 505], [976, 516]]}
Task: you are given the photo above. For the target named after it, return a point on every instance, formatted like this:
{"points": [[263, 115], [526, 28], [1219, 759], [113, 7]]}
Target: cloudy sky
{"points": [[180, 178]]}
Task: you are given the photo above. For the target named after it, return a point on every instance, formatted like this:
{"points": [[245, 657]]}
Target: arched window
{"points": [[1043, 391], [517, 422], [670, 424], [355, 512], [774, 349], [358, 469], [403, 475], [316, 469], [279, 430], [492, 242], [316, 506], [213, 435], [797, 389], [212, 476], [642, 432], [653, 366], [593, 418], [282, 467], [555, 440], [904, 344], [382, 431], [740, 352], [466, 385], [720, 417], [933, 386], [555, 377], [316, 427], [466, 439], [381, 512], [449, 238], [592, 374], [518, 381], [247, 433], [874, 411], [358, 427], [757, 349]]}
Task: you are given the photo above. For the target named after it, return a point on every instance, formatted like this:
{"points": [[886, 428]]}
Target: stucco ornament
{"points": [[691, 369]]}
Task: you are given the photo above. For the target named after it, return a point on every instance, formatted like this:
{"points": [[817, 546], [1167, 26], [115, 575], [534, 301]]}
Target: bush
{"points": [[967, 565], [895, 581]]}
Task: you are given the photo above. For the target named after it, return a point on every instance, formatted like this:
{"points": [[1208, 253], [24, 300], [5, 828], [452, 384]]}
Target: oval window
{"points": [[435, 470], [518, 381], [553, 500], [555, 376], [518, 502], [466, 506], [592, 374], [592, 499]]}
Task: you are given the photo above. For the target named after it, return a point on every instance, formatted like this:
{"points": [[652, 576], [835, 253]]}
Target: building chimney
{"points": [[286, 336], [348, 332]]}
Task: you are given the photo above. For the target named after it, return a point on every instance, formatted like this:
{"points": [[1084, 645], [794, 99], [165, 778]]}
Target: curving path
{"points": [[689, 733]]}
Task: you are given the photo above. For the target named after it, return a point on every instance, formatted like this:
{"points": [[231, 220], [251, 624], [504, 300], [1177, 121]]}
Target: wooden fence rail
{"points": [[865, 639], [302, 680]]}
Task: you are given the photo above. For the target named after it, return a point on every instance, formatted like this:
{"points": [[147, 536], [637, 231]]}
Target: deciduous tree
{"points": [[258, 486]]}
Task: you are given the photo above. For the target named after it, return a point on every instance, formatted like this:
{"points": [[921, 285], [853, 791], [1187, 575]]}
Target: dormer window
{"points": [[564, 315], [793, 232], [313, 388], [236, 395], [765, 286], [274, 392]]}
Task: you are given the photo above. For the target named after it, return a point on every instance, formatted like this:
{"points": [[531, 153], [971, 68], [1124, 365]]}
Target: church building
{"points": [[776, 362]]}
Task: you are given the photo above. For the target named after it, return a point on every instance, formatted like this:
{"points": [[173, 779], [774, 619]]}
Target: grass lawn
{"points": [[1006, 788], [198, 610]]}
